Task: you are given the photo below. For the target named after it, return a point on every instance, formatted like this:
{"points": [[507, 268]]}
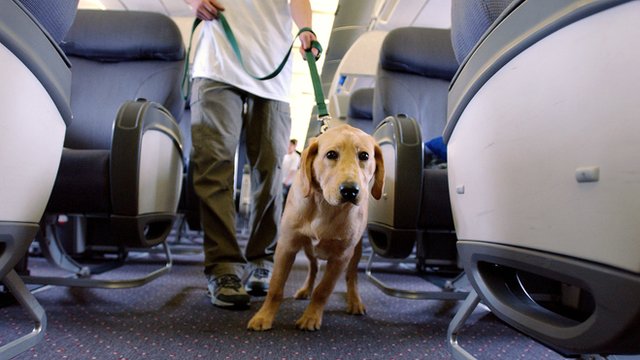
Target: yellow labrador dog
{"points": [[325, 214]]}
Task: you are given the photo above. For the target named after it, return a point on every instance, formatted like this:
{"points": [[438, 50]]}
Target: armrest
{"points": [[133, 120], [393, 220], [145, 183]]}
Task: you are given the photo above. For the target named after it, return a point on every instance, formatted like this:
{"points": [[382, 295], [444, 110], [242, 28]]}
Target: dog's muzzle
{"points": [[349, 192]]}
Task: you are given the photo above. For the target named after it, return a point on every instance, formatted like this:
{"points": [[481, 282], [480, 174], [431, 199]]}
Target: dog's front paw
{"points": [[259, 323], [309, 322]]}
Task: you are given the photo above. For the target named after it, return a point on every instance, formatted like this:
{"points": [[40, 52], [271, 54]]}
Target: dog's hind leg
{"points": [[305, 291], [354, 302]]}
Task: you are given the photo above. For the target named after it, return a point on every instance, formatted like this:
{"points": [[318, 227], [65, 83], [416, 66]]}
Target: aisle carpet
{"points": [[172, 318]]}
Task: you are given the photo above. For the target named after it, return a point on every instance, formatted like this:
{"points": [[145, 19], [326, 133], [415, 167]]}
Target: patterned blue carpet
{"points": [[172, 318]]}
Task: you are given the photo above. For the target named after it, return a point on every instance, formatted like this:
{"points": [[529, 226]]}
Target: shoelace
{"points": [[261, 273], [228, 281]]}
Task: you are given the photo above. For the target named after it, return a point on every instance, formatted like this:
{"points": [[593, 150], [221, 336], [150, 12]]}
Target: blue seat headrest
{"points": [[124, 36], [422, 51]]}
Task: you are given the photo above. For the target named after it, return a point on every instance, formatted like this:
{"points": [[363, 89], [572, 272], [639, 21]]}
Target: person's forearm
{"points": [[301, 13]]}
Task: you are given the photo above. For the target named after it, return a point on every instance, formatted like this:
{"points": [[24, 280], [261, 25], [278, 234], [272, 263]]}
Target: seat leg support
{"points": [[54, 252], [28, 302], [445, 294], [468, 306], [76, 281]]}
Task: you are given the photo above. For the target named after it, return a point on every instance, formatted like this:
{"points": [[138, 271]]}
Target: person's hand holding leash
{"points": [[205, 9], [301, 14], [306, 38]]}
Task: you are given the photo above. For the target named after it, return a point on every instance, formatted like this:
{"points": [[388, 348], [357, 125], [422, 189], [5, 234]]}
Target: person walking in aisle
{"points": [[226, 100]]}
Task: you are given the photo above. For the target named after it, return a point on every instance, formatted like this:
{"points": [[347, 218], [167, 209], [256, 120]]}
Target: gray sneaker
{"points": [[226, 291], [257, 283]]}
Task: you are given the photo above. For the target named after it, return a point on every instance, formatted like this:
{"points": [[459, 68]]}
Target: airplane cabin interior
{"points": [[507, 227]]}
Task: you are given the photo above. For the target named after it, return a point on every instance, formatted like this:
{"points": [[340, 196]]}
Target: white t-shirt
{"points": [[290, 165], [262, 29]]}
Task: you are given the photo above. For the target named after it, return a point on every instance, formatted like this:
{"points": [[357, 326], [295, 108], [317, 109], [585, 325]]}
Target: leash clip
{"points": [[324, 123]]}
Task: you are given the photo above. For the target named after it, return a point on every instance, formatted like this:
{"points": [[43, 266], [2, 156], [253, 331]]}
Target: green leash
{"points": [[323, 114]]}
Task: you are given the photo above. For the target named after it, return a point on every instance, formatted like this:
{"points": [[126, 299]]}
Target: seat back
{"points": [[360, 113], [119, 56], [34, 112], [541, 213], [416, 66]]}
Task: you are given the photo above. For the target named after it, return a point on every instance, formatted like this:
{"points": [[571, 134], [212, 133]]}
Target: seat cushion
{"points": [[82, 185]]}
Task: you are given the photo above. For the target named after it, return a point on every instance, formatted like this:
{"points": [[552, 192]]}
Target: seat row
{"points": [[91, 149], [530, 110]]}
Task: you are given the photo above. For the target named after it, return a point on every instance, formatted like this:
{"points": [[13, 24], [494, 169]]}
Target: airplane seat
{"points": [[121, 172], [360, 113], [34, 114], [416, 65], [542, 134]]}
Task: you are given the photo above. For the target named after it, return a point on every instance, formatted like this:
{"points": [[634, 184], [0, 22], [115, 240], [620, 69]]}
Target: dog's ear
{"points": [[306, 165], [378, 175]]}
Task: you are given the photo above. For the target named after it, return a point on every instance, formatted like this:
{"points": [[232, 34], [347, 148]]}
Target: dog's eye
{"points": [[332, 155], [363, 156]]}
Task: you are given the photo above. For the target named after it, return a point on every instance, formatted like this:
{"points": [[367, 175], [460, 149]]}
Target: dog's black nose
{"points": [[349, 191]]}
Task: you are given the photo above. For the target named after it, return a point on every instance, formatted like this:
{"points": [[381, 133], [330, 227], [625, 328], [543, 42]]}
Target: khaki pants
{"points": [[220, 113]]}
